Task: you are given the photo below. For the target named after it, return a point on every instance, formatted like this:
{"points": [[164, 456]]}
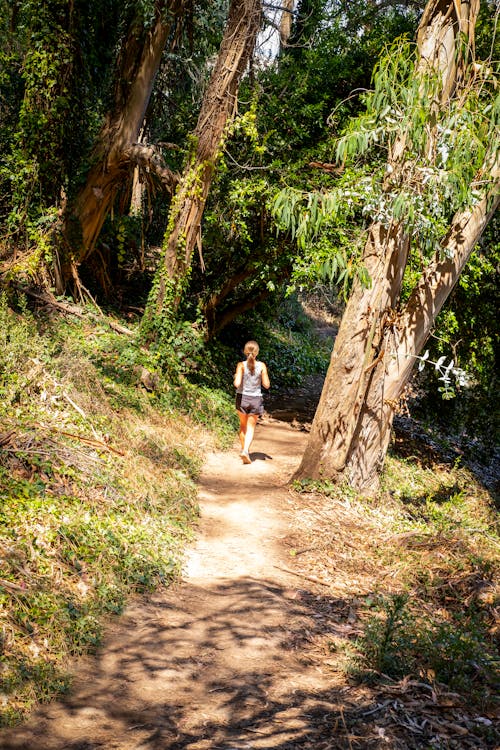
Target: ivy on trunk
{"points": [[218, 108], [117, 151]]}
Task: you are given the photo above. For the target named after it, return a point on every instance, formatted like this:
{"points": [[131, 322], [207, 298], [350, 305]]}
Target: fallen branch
{"points": [[70, 309], [6, 437], [90, 441], [301, 575], [378, 707], [150, 160], [93, 442], [10, 585]]}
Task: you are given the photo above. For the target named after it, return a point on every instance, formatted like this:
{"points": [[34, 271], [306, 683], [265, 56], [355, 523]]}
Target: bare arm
{"points": [[265, 377], [238, 375]]}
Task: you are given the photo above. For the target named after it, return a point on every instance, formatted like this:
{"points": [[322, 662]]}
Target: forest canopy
{"points": [[178, 177], [199, 160]]}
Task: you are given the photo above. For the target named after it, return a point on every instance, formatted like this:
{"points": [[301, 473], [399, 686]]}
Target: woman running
{"points": [[248, 379]]}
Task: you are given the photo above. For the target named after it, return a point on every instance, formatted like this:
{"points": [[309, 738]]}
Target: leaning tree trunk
{"points": [[355, 356], [405, 337], [285, 27], [117, 152], [351, 428], [217, 110]]}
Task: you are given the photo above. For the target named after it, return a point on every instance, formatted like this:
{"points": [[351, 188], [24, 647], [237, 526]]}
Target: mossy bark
{"points": [[117, 152]]}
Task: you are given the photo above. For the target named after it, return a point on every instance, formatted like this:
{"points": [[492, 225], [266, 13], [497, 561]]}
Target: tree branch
{"points": [[434, 287], [238, 308], [149, 159]]}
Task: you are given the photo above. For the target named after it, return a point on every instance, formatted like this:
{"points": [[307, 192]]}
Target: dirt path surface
{"points": [[214, 661]]}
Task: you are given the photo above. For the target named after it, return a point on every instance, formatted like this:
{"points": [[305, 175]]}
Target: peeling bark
{"points": [[375, 349], [405, 339], [357, 351], [286, 22], [415, 323]]}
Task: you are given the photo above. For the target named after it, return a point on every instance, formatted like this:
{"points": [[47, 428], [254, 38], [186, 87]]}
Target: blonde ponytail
{"points": [[251, 351]]}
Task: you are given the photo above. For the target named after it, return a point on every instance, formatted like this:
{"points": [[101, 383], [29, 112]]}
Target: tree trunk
{"points": [[286, 22], [404, 339], [351, 378], [375, 348], [217, 320], [117, 151], [218, 108], [436, 284]]}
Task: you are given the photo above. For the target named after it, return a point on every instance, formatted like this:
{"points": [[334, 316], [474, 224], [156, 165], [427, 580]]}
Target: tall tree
{"points": [[281, 128], [380, 336], [117, 151], [39, 74], [217, 110]]}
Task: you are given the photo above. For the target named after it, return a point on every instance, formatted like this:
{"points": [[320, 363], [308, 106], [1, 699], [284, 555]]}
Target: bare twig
{"points": [[75, 406], [5, 438], [70, 309], [10, 585], [92, 442], [301, 575]]}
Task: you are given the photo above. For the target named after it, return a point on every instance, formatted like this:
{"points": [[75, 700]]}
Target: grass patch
{"points": [[97, 489]]}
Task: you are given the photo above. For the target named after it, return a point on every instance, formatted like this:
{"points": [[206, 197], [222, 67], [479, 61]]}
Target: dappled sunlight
{"points": [[197, 668], [258, 646]]}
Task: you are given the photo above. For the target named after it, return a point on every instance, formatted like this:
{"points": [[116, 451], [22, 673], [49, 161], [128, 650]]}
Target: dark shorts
{"points": [[249, 404]]}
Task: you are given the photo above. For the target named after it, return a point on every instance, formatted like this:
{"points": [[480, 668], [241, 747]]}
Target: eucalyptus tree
{"points": [[218, 108], [437, 117], [281, 136], [117, 150]]}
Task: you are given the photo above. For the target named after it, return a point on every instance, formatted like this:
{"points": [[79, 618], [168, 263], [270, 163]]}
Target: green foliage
{"points": [[209, 406], [86, 557], [386, 640], [467, 330], [98, 491], [320, 74], [291, 357], [37, 160], [319, 223], [53, 80], [177, 343], [440, 165], [246, 125], [19, 340], [441, 160], [459, 653], [282, 126]]}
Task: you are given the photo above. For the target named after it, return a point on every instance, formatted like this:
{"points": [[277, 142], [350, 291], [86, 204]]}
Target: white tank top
{"points": [[250, 384]]}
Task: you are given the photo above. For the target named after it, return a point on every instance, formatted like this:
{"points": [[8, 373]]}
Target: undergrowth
{"points": [[97, 488], [420, 562], [289, 345], [99, 452], [101, 441]]}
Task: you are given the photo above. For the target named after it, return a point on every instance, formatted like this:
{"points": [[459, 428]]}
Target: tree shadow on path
{"points": [[226, 668]]}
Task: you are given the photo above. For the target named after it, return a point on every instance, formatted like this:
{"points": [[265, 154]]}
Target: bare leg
{"points": [[243, 428], [251, 423]]}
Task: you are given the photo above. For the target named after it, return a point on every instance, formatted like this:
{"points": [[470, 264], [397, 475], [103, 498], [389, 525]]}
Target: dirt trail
{"points": [[213, 662]]}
